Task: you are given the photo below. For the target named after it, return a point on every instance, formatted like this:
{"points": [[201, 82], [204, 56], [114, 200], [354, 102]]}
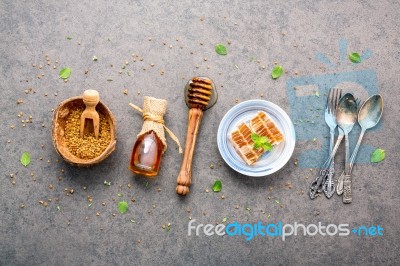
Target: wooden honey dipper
{"points": [[90, 98], [200, 95]]}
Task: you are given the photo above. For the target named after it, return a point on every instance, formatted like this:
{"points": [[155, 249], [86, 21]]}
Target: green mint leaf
{"points": [[217, 186], [377, 156], [68, 38], [107, 183], [224, 220], [263, 139], [254, 137], [65, 73], [25, 159], [355, 57], [267, 146], [123, 206], [221, 49], [277, 71], [261, 142]]}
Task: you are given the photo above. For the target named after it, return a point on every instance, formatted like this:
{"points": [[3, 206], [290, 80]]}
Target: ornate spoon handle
{"points": [[315, 186], [329, 184], [347, 195], [339, 187]]}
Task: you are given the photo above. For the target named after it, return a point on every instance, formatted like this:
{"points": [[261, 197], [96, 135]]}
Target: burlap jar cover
{"points": [[153, 119]]}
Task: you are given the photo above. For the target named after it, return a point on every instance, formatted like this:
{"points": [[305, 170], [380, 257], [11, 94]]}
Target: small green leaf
{"points": [[107, 183], [65, 73], [25, 159], [217, 186], [221, 49], [261, 142], [224, 220], [254, 137], [68, 38], [377, 156], [266, 146], [355, 57], [277, 71], [123, 206]]}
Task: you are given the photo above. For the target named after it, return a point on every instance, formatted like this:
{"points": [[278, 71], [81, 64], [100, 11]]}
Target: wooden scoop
{"points": [[200, 95], [90, 120]]}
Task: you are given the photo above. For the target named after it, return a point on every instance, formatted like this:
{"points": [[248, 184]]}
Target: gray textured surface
{"points": [[112, 31]]}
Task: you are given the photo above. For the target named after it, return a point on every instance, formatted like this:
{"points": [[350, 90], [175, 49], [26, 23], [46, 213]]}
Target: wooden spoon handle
{"points": [[185, 175]]}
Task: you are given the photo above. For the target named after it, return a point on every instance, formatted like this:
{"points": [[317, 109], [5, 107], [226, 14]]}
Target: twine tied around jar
{"points": [[153, 119]]}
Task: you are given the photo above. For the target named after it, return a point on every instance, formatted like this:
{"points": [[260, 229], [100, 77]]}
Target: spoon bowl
{"points": [[346, 113], [371, 112]]}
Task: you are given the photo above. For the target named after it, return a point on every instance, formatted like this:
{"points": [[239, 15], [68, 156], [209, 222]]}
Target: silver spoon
{"points": [[369, 115], [346, 117]]}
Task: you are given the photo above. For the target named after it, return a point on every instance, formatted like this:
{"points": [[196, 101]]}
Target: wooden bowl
{"points": [[58, 127]]}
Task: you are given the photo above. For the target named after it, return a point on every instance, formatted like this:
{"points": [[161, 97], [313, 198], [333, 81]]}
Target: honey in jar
{"points": [[146, 155]]}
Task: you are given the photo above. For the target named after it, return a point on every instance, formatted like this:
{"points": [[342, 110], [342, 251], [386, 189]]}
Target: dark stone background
{"points": [[259, 33]]}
